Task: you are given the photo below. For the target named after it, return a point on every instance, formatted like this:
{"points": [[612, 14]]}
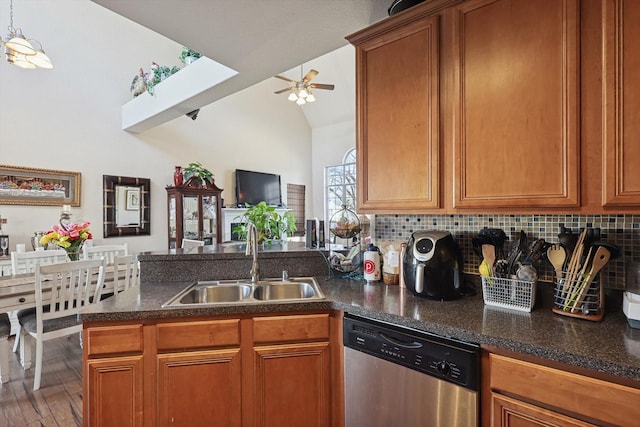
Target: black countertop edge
{"points": [[610, 347]]}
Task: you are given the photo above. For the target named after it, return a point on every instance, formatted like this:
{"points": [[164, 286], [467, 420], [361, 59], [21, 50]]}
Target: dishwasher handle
{"points": [[405, 344]]}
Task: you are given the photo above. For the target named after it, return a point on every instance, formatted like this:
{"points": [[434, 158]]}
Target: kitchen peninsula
{"points": [[121, 330]]}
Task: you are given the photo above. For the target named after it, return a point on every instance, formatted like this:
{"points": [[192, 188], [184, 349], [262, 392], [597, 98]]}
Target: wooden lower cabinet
{"points": [[116, 397], [200, 388], [519, 393], [292, 385], [249, 371]]}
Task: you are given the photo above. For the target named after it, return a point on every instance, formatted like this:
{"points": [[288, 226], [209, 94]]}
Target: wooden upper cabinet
{"points": [[515, 104], [397, 93], [621, 99]]}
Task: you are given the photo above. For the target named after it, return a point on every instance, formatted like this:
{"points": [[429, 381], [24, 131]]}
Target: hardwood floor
{"points": [[59, 400]]}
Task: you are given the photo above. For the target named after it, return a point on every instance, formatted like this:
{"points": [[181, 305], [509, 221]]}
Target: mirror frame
{"points": [[109, 183]]}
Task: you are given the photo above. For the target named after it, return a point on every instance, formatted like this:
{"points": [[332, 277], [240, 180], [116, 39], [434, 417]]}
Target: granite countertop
{"points": [[609, 347]]}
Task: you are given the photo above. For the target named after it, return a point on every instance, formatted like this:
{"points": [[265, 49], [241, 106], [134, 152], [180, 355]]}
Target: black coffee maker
{"points": [[433, 266]]}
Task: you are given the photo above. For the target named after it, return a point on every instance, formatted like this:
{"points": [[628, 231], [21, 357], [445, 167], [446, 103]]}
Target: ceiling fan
{"points": [[300, 91]]}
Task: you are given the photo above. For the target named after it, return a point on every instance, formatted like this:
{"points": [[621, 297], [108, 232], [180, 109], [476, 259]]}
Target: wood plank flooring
{"points": [[59, 400]]}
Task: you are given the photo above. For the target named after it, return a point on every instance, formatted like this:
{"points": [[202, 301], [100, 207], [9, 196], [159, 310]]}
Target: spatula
{"points": [[600, 258], [557, 256], [489, 255]]}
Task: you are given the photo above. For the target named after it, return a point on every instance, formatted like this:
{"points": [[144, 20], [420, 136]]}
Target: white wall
{"points": [[69, 118], [330, 144]]}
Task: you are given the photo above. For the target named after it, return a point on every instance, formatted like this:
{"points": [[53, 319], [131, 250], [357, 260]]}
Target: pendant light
{"points": [[19, 50]]}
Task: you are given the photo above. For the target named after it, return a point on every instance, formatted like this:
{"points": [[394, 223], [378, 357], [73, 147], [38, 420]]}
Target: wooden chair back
{"points": [[26, 262]]}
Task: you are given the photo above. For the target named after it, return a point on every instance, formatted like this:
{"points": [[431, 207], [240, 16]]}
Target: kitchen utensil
{"points": [[599, 260], [527, 272], [572, 268], [534, 252], [613, 249], [557, 255], [489, 255], [567, 238]]}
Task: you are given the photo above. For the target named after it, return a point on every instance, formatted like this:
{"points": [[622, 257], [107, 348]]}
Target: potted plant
{"points": [[197, 172], [188, 56], [269, 223], [158, 74]]}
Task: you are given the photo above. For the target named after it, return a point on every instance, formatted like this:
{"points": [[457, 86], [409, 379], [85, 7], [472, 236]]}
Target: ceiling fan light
{"points": [[303, 93], [40, 59], [19, 43], [301, 101], [310, 98], [292, 97]]}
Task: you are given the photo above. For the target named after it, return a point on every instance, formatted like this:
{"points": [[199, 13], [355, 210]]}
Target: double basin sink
{"points": [[245, 292]]}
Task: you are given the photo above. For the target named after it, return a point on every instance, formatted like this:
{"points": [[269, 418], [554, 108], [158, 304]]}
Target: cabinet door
{"points": [[115, 396], [507, 412], [398, 119], [292, 385], [621, 85], [515, 104], [200, 388]]}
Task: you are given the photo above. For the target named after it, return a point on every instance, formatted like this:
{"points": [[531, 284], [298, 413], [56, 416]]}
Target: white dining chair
{"points": [[106, 251], [126, 273], [190, 243], [5, 330], [62, 290], [26, 262]]}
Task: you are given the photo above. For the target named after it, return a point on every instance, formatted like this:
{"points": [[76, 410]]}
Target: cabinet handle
{"points": [[22, 299]]}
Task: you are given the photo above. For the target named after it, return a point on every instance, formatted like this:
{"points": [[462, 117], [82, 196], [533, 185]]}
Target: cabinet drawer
{"points": [[577, 394], [114, 339], [204, 334], [308, 327]]}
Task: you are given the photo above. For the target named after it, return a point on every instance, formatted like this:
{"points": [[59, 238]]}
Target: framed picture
{"points": [[133, 200], [44, 187]]}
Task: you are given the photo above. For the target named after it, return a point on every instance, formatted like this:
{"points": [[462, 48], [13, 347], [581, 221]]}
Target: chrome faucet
{"points": [[252, 249]]}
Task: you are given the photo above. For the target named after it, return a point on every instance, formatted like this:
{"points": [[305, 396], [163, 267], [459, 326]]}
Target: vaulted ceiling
{"points": [[257, 38]]}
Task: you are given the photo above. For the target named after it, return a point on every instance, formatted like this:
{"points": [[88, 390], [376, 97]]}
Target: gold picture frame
{"points": [[42, 187]]}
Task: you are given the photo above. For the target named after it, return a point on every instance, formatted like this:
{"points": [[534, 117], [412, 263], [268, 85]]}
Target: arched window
{"points": [[340, 185]]}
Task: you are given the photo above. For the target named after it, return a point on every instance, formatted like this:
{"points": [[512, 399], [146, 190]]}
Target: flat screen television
{"points": [[255, 187]]}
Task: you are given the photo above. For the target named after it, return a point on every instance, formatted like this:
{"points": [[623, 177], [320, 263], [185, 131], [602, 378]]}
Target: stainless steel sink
{"points": [[284, 291], [207, 293]]}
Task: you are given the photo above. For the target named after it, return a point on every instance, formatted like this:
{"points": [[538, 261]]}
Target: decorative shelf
{"points": [[177, 95]]}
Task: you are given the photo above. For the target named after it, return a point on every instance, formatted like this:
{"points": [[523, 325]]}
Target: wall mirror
{"points": [[126, 206]]}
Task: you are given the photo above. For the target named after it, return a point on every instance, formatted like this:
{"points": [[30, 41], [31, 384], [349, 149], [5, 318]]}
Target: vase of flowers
{"points": [[69, 237]]}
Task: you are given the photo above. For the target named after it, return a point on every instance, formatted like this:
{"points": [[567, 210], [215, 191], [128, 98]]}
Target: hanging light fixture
{"points": [[300, 90], [20, 51]]}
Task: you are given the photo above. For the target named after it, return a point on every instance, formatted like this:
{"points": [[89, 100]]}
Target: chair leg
{"points": [[25, 350], [38, 374], [4, 360], [17, 341]]}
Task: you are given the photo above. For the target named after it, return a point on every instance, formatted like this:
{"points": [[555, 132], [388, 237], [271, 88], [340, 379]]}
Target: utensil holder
{"points": [[573, 299], [509, 293]]}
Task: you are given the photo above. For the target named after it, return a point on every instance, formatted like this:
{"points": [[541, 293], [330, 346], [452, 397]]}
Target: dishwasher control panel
{"points": [[442, 357]]}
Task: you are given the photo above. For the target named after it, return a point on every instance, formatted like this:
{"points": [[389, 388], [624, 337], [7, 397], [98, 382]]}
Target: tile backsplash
{"points": [[620, 230]]}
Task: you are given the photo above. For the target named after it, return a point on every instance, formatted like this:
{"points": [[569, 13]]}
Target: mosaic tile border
{"points": [[620, 230]]}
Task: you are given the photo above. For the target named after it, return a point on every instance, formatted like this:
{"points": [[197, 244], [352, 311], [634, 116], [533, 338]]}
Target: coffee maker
{"points": [[432, 265]]}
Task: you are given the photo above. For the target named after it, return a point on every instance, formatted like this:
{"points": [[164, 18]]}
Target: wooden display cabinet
{"points": [[194, 212]]}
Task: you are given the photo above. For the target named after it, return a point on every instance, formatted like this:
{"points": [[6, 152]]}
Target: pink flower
{"points": [[74, 234]]}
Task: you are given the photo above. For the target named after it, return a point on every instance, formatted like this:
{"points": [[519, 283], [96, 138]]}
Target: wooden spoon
{"points": [[600, 259], [489, 255], [557, 256]]}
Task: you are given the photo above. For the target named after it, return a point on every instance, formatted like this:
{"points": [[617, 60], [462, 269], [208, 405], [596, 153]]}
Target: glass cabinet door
{"points": [[191, 217], [209, 218], [172, 221]]}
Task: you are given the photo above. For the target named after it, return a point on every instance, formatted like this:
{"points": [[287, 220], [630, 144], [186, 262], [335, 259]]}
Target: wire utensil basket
{"points": [[578, 298], [514, 294]]}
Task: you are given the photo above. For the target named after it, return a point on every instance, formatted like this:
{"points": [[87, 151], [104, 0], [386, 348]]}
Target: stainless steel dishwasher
{"points": [[397, 376]]}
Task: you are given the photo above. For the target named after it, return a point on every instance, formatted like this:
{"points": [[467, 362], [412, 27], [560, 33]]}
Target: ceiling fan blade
{"points": [[286, 79], [322, 86], [282, 90], [310, 75]]}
